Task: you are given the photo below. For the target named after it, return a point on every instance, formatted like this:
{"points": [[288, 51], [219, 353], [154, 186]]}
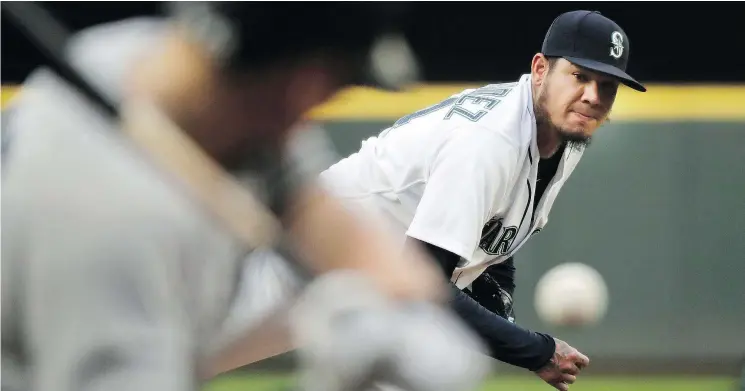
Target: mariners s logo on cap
{"points": [[581, 37], [617, 40]]}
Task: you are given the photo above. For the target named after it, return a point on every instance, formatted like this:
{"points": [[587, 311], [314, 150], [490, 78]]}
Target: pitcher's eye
{"points": [[581, 77]]}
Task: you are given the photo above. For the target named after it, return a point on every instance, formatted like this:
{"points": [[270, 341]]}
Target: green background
{"points": [[266, 382]]}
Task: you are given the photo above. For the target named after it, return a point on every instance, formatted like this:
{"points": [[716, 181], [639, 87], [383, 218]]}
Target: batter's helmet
{"points": [[249, 34]]}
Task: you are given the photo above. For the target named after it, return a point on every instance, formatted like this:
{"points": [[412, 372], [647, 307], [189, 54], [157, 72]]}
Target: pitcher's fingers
{"points": [[569, 367], [581, 360], [568, 379], [561, 386], [578, 359]]}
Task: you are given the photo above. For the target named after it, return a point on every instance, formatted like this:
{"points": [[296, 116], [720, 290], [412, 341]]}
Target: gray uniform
{"points": [[112, 278]]}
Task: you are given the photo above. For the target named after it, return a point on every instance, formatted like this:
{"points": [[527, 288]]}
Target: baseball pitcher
{"points": [[471, 178]]}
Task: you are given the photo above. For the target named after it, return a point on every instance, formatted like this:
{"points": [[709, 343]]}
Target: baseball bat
{"points": [[165, 143]]}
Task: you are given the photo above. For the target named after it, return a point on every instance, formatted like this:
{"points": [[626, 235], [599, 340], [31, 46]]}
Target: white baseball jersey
{"points": [[460, 175]]}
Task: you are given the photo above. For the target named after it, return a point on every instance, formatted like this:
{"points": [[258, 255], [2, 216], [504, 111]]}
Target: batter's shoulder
{"points": [[67, 166]]}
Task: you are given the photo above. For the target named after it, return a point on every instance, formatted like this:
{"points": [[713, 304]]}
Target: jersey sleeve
{"points": [[471, 170], [307, 153], [107, 313]]}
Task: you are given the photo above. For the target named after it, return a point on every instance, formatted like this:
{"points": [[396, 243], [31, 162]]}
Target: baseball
{"points": [[571, 294]]}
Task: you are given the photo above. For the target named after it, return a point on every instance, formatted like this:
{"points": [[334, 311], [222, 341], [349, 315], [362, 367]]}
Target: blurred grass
{"points": [[514, 383]]}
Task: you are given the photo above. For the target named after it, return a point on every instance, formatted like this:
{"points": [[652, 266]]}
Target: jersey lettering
{"points": [[421, 113], [485, 98], [497, 239], [475, 100], [476, 104]]}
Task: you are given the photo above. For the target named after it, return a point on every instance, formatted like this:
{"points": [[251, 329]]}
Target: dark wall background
{"points": [[480, 41]]}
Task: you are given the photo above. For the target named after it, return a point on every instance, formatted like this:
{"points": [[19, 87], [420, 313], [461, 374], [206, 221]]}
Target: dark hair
{"points": [[552, 62]]}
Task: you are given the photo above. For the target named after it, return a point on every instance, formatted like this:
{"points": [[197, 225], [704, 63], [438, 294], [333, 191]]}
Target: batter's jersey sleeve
{"points": [[106, 311], [307, 153], [470, 173]]}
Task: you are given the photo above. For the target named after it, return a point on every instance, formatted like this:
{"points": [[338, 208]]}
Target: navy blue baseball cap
{"points": [[590, 40]]}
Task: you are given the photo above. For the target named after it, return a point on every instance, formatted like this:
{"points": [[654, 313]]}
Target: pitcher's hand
{"points": [[564, 367]]}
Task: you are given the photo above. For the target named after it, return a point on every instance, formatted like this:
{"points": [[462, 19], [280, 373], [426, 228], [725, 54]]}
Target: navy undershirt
{"points": [[506, 341]]}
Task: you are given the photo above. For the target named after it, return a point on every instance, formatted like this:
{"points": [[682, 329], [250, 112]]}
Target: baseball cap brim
{"points": [[607, 69]]}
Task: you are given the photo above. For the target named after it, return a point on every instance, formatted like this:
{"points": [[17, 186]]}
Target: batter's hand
{"points": [[564, 367], [352, 337]]}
